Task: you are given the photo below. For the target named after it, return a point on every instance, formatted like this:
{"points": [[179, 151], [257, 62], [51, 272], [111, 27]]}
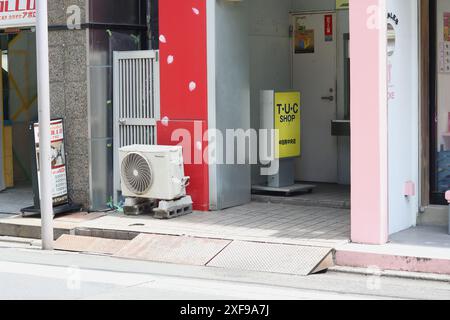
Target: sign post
{"points": [[58, 161], [281, 112], [287, 122], [45, 172]]}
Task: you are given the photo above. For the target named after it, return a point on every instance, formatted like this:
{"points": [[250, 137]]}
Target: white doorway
{"points": [[314, 62]]}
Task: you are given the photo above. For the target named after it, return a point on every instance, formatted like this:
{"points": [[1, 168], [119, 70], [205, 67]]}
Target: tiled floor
{"points": [[424, 236], [264, 222], [324, 195], [12, 200]]}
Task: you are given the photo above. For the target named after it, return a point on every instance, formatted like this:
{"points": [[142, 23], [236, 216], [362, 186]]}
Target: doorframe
{"points": [[433, 197], [425, 124], [336, 39]]}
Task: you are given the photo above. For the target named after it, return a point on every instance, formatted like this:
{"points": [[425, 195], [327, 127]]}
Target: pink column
{"points": [[369, 214]]}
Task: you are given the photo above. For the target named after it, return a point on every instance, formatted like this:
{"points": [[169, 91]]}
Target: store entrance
{"points": [[318, 66], [439, 101], [314, 75], [19, 108]]}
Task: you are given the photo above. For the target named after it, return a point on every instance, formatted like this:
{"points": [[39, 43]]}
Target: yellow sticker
{"points": [[342, 4], [287, 123]]}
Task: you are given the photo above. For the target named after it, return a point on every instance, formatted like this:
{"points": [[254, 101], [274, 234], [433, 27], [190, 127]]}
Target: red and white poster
{"points": [[59, 169], [328, 27], [17, 13]]}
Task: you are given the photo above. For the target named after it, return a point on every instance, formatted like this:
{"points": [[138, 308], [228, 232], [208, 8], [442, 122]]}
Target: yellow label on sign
{"points": [[287, 124], [342, 4]]}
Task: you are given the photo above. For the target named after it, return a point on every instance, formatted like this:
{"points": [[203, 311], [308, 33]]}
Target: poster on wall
{"points": [[17, 13], [444, 57], [58, 158], [288, 122], [304, 37], [328, 21], [446, 26]]}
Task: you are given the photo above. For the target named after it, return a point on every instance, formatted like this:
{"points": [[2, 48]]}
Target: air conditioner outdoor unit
{"points": [[155, 173]]}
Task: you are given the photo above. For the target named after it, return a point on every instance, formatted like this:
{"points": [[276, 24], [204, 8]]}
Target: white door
{"points": [[314, 75], [403, 113]]}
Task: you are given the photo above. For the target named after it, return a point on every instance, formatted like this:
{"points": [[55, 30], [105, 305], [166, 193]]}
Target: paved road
{"points": [[33, 274]]}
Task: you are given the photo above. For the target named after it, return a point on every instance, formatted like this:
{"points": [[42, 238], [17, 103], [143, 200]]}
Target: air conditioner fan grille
{"points": [[137, 173]]}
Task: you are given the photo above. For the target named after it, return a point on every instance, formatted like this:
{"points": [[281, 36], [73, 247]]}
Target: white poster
{"points": [[17, 13], [59, 169]]}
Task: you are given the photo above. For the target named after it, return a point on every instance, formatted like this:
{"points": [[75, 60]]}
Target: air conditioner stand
{"points": [[174, 208], [138, 206]]}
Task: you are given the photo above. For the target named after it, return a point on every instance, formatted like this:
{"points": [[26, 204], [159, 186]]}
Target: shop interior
{"points": [[19, 109], [287, 45], [440, 81], [431, 227], [289, 49]]}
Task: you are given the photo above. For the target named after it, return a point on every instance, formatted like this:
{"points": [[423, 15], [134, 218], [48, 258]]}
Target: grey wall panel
{"points": [[101, 102], [232, 108], [270, 62], [316, 5], [103, 43], [101, 172]]}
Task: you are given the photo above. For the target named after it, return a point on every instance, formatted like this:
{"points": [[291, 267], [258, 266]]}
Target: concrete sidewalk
{"points": [[259, 231], [258, 237]]}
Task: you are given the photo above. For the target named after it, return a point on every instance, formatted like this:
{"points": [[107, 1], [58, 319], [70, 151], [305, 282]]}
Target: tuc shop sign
{"points": [[287, 122], [17, 13]]}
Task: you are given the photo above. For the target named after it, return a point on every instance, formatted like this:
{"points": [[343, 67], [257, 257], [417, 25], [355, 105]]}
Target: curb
{"points": [[391, 274]]}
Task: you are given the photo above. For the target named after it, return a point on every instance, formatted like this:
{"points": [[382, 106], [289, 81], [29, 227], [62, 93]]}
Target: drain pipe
{"points": [[46, 204], [149, 24]]}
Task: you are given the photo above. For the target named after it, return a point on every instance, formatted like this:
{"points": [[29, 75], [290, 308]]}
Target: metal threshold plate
{"points": [[296, 188], [273, 258], [173, 249], [89, 244]]}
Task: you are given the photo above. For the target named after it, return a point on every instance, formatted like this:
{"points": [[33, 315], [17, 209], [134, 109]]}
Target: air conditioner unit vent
{"points": [[137, 173]]}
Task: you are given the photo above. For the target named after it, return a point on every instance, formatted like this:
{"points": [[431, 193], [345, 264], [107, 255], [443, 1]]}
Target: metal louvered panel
{"points": [[136, 102]]}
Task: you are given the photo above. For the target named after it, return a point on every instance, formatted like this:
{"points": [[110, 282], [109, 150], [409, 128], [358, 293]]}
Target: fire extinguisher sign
{"points": [[328, 27]]}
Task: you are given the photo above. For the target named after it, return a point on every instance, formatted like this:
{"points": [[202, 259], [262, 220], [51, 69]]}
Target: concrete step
{"points": [[302, 201], [17, 226], [394, 257], [31, 228]]}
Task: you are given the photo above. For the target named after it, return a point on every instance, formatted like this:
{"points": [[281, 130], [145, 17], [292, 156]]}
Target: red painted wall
{"points": [[183, 72], [182, 23]]}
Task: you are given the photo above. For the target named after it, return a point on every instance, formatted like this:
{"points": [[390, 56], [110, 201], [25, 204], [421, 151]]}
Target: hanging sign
{"points": [[287, 123], [328, 27], [59, 169], [17, 13]]}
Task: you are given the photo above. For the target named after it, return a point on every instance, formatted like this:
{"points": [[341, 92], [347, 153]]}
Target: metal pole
{"points": [[149, 23], [44, 125]]}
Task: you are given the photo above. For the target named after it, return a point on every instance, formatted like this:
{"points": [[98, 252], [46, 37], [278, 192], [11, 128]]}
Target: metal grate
{"points": [[271, 257], [136, 102]]}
